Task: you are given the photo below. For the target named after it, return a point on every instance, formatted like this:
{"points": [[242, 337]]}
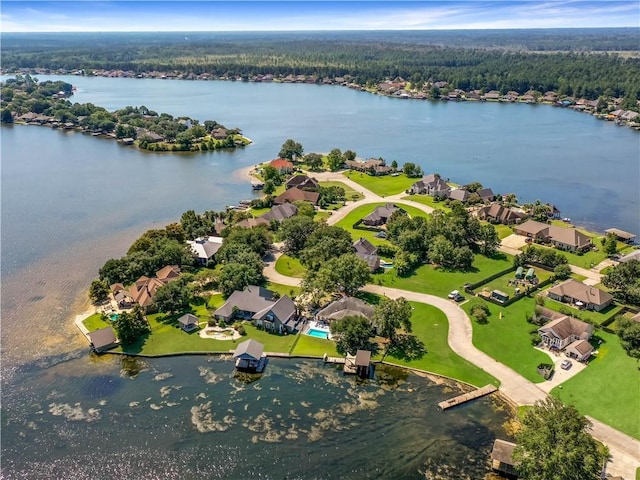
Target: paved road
{"points": [[625, 450]]}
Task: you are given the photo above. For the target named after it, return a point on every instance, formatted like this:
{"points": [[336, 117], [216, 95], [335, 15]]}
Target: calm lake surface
{"points": [[71, 201]]}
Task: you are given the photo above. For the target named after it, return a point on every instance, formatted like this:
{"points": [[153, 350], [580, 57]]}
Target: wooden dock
{"points": [[338, 360], [465, 397]]}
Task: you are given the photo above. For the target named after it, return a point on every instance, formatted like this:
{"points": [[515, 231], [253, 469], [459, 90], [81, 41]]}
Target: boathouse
{"points": [[250, 357]]}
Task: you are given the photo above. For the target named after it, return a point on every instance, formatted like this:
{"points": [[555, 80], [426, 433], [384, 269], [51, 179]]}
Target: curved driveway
{"points": [[625, 450]]}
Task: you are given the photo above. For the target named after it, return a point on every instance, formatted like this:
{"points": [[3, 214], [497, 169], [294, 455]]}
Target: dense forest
{"points": [[576, 62]]}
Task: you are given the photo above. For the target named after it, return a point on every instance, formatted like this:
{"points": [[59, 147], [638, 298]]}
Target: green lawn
{"points": [[308, 345], [427, 200], [364, 210], [291, 267], [502, 282], [592, 317], [608, 389], [507, 339], [591, 258], [319, 216], [95, 322], [432, 327], [384, 185], [437, 281], [283, 289], [349, 192], [503, 231]]}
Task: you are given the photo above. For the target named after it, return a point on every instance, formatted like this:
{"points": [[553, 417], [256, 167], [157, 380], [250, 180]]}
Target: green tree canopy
{"points": [[554, 444], [335, 159], [294, 232], [130, 326], [624, 280], [98, 291], [352, 334], [291, 150], [629, 332], [174, 297], [391, 315]]}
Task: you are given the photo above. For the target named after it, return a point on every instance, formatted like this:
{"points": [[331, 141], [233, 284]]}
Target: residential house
{"points": [[148, 135], [282, 166], [303, 182], [486, 195], [168, 273], [250, 357], [569, 334], [502, 458], [563, 238], [553, 211], [372, 166], [189, 322], [496, 213], [205, 248], [103, 339], [345, 307], [459, 195], [252, 222], [121, 295], [580, 295], [367, 252], [431, 185], [280, 212], [380, 215], [296, 194], [260, 306], [143, 290], [492, 95], [634, 255]]}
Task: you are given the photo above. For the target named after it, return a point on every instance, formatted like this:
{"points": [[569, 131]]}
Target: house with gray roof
{"points": [[205, 248], [634, 255], [431, 185], [581, 295], [103, 339], [459, 194], [366, 251], [380, 215], [345, 307], [250, 357], [261, 307], [189, 322], [280, 212]]}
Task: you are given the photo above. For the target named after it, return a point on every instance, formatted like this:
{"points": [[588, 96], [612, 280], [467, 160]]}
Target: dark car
{"points": [[458, 298]]}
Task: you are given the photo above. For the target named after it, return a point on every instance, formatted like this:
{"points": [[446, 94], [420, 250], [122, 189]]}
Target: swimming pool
{"points": [[113, 317], [313, 332]]}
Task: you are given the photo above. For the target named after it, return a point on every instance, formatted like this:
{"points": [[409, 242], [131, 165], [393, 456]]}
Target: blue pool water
{"points": [[317, 333], [113, 317]]}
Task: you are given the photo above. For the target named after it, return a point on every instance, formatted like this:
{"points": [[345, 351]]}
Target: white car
{"points": [[454, 294], [566, 364]]}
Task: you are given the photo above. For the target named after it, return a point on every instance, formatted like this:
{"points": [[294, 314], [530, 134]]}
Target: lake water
{"points": [[71, 201]]}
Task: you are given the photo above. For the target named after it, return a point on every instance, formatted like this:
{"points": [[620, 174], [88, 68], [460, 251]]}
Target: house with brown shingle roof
{"points": [[303, 182], [581, 295], [345, 307], [431, 185], [381, 214], [280, 212], [496, 213], [296, 194], [563, 238], [570, 334]]}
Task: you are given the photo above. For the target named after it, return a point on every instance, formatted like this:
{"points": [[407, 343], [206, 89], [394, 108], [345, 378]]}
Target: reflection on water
{"points": [[189, 416]]}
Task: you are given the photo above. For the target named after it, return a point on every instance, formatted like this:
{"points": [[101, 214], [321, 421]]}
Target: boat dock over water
{"points": [[465, 397]]}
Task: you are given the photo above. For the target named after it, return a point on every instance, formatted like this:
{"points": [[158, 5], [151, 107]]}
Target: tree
{"points": [[314, 160], [325, 243], [391, 315], [473, 187], [291, 150], [305, 208], [352, 334], [562, 271], [394, 165], [610, 244], [236, 276], [489, 239], [270, 174], [335, 159], [624, 280], [294, 232], [629, 332], [349, 155], [343, 274], [554, 443], [174, 297], [129, 326], [6, 116], [98, 291]]}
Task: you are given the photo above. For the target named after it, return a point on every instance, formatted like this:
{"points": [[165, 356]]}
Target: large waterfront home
{"points": [[372, 166], [345, 307], [282, 165], [581, 295], [496, 213], [205, 248], [380, 215], [569, 239], [303, 182], [431, 185], [261, 306], [143, 289], [295, 194], [568, 334]]}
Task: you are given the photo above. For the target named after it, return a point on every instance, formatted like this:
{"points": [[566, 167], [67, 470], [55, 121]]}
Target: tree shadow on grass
{"points": [[408, 347]]}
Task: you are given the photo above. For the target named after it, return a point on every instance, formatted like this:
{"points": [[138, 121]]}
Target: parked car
{"points": [[454, 294], [566, 364], [458, 298]]}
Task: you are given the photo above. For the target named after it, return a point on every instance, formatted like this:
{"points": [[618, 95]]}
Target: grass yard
{"points": [[608, 388], [596, 318], [507, 339], [364, 210], [289, 266], [349, 193], [308, 345], [320, 216], [503, 231], [95, 322], [384, 185], [591, 258], [432, 327], [427, 200], [437, 281], [502, 283]]}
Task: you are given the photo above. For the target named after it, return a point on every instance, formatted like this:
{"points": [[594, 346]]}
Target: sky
{"points": [[266, 15]]}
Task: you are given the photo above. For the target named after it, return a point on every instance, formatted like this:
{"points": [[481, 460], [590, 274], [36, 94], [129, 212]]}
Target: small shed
{"points": [[189, 322], [531, 274], [502, 458], [250, 357], [363, 363], [520, 272], [499, 296], [103, 339]]}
